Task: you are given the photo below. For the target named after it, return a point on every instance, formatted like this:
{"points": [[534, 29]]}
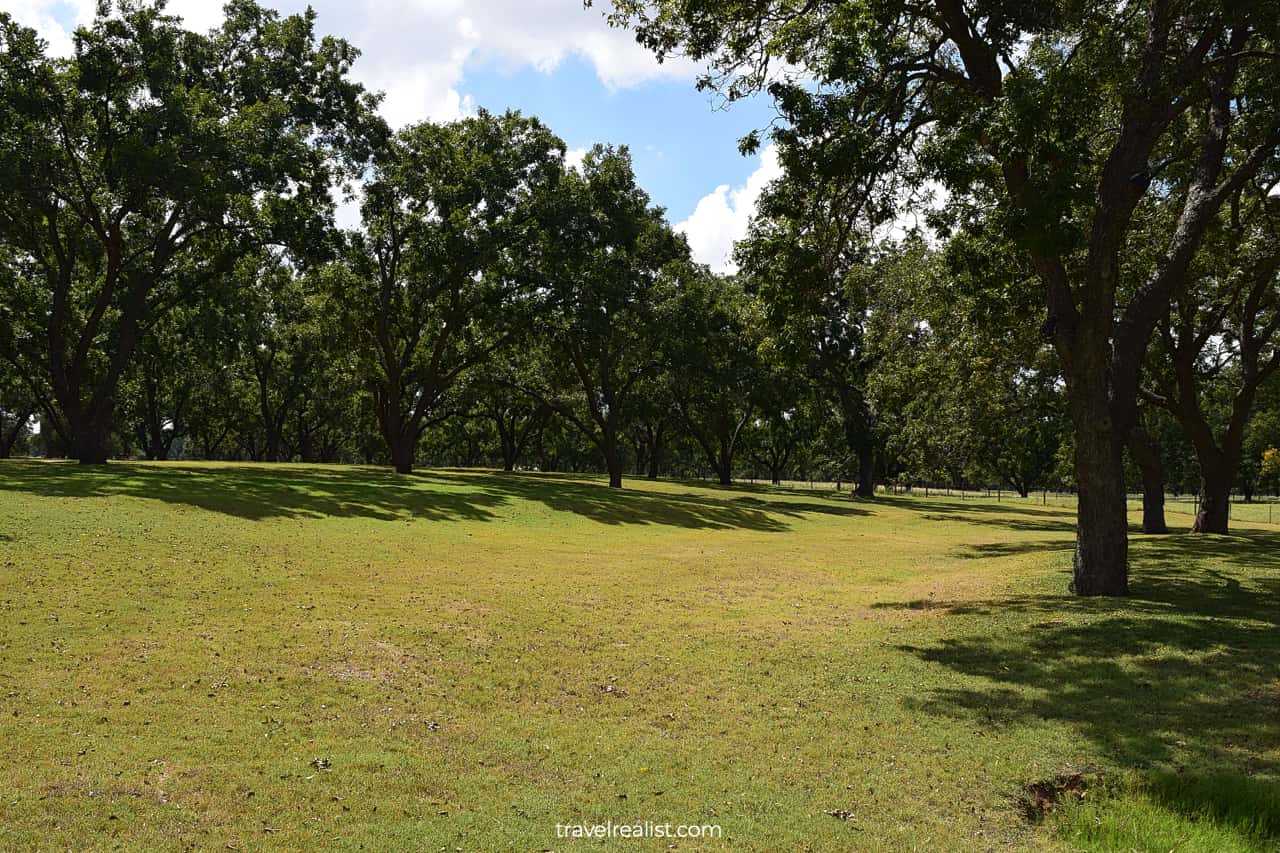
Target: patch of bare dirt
{"points": [[1043, 797]]}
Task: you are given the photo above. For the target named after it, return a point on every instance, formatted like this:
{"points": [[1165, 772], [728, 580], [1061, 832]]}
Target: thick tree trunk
{"points": [[866, 471], [1147, 458], [725, 467], [402, 456], [1214, 513], [89, 442], [1102, 536]]}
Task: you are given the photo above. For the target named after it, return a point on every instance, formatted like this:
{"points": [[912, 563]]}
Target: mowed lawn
{"points": [[227, 656]]}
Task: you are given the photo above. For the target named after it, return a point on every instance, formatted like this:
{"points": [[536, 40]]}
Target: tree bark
{"points": [[1214, 513], [866, 471], [612, 456], [89, 439], [401, 454], [1101, 565]]}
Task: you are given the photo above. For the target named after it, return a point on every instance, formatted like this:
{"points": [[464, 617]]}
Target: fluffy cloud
{"points": [[721, 217], [416, 51], [574, 156], [44, 16]]}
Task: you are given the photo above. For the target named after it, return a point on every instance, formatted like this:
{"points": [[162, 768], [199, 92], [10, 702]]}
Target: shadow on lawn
{"points": [[1184, 672], [261, 491]]}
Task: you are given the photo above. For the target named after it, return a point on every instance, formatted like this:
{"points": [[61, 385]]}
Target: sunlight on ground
{"points": [[237, 655]]}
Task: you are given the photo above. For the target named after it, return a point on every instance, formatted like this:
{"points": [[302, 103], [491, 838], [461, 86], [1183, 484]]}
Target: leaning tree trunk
{"points": [[1147, 458], [11, 435], [1101, 565]]}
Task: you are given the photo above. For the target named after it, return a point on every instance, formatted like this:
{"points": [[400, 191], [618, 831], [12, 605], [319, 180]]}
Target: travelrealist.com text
{"points": [[638, 829]]}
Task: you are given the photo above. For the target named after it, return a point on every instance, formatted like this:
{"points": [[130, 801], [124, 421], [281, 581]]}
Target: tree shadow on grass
{"points": [[255, 491], [987, 550], [702, 510], [1185, 672], [272, 491]]}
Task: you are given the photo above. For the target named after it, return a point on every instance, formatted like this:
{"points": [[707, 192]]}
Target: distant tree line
{"points": [[1096, 306]]}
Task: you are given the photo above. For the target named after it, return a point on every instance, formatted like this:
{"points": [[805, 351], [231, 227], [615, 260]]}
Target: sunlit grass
{"points": [[1167, 811], [307, 656]]}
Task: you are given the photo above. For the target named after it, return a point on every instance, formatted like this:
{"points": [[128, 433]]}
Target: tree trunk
{"points": [[10, 437], [725, 468], [1214, 514], [612, 458], [402, 457], [89, 442], [866, 471], [1147, 458], [1102, 535]]}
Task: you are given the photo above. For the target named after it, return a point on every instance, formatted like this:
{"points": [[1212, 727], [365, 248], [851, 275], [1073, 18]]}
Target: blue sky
{"points": [[682, 144], [442, 59]]}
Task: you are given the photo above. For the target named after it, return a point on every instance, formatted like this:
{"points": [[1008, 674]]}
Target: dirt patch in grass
{"points": [[1043, 797]]}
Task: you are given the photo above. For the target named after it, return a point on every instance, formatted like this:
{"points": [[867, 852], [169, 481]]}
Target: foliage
{"points": [[608, 262], [454, 217], [133, 175]]}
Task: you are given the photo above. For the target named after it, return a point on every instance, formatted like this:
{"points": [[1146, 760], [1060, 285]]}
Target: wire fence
{"points": [[1261, 509]]}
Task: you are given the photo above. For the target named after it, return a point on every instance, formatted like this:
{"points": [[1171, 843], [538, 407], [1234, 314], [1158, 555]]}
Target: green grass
{"points": [[478, 657], [1170, 811]]}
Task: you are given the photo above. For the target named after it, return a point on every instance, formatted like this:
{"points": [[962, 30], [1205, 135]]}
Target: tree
{"points": [[652, 424], [788, 414], [1220, 342], [973, 389], [17, 405], [451, 224], [608, 261], [134, 174], [1054, 123], [1270, 471], [816, 290], [280, 337], [713, 365], [517, 417], [174, 358]]}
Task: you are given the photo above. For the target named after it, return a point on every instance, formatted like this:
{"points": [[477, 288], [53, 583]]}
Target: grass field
{"points": [[302, 657]]}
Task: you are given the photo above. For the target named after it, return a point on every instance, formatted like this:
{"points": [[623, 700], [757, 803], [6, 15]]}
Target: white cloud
{"points": [[574, 156], [913, 210], [418, 50], [44, 17], [721, 217]]}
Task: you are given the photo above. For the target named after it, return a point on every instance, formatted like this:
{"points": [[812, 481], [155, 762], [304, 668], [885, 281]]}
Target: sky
{"points": [[440, 60]]}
